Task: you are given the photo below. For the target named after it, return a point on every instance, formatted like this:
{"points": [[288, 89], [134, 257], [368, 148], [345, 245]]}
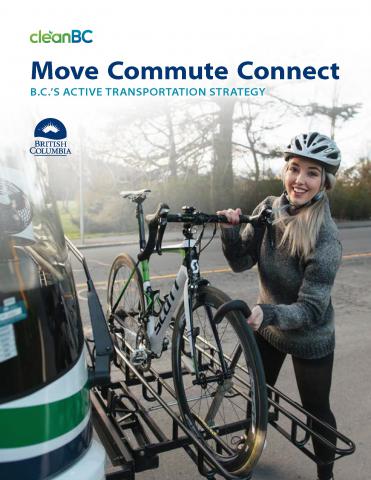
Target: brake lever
{"points": [[160, 234]]}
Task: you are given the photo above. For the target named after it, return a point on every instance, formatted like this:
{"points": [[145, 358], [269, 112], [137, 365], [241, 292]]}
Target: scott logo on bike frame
{"points": [[166, 308]]}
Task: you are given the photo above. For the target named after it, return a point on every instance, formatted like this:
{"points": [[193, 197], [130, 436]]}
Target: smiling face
{"points": [[303, 179]]}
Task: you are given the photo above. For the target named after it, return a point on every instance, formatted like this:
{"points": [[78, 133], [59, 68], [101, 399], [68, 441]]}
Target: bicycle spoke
{"points": [[125, 288], [236, 357]]}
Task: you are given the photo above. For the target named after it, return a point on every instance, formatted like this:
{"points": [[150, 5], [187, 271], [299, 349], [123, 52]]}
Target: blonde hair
{"points": [[300, 231]]}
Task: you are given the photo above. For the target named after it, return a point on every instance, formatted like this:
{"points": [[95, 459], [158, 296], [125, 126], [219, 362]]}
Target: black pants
{"points": [[313, 378]]}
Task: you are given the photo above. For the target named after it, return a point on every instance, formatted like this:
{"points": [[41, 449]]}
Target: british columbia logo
{"points": [[54, 134]]}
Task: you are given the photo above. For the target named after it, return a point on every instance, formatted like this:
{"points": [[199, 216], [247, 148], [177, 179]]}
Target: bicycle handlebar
{"points": [[199, 218], [157, 224]]}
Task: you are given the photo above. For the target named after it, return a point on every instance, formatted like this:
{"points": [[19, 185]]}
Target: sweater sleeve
{"points": [[241, 249], [314, 294]]}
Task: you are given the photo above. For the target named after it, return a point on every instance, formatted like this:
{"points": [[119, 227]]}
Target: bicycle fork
{"points": [[191, 335]]}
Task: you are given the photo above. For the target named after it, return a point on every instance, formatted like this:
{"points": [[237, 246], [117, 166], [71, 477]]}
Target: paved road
{"points": [[351, 398], [354, 240]]}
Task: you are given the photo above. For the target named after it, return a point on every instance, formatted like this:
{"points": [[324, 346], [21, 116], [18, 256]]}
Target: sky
{"points": [[186, 33]]}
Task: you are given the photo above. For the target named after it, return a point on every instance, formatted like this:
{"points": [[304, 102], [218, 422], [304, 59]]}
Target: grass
{"points": [[73, 231], [70, 229]]}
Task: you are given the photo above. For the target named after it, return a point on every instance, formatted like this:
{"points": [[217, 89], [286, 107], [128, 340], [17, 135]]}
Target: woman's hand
{"points": [[256, 318], [233, 217]]}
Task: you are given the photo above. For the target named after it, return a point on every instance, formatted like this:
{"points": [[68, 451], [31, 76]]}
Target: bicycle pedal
{"points": [[138, 357]]}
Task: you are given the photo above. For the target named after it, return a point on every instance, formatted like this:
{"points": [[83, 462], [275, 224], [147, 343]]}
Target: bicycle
{"points": [[218, 374]]}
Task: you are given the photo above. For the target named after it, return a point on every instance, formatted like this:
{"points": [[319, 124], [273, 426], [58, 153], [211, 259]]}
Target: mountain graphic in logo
{"points": [[51, 128]]}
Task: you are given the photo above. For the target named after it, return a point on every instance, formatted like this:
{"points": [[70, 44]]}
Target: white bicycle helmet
{"points": [[317, 147]]}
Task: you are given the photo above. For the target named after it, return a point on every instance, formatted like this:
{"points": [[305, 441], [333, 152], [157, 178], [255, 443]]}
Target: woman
{"points": [[297, 257]]}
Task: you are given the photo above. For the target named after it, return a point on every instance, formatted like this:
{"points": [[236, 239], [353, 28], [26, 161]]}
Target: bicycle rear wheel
{"points": [[125, 286], [229, 414]]}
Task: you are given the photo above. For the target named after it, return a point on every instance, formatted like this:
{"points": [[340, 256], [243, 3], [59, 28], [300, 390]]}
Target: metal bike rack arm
{"points": [[305, 427], [113, 444], [99, 373]]}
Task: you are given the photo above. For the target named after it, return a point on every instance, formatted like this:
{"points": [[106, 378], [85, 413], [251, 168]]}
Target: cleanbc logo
{"points": [[74, 36], [54, 143]]}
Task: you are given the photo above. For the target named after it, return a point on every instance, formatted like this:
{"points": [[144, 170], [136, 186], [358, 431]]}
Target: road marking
{"points": [[169, 275], [222, 270], [101, 263], [83, 290], [354, 255]]}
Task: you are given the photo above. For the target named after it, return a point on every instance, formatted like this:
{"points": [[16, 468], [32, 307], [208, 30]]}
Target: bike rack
{"points": [[122, 422], [119, 399], [304, 427]]}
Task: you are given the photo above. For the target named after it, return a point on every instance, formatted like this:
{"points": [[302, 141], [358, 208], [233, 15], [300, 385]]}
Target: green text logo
{"points": [[74, 36]]}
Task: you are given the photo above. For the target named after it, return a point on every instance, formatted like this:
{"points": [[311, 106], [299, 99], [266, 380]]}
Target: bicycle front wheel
{"points": [[228, 412]]}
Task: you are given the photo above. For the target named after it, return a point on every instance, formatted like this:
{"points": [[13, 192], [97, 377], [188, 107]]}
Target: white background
{"points": [[180, 33]]}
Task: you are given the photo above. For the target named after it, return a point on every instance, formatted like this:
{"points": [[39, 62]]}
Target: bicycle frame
{"points": [[158, 322], [185, 286], [158, 325]]}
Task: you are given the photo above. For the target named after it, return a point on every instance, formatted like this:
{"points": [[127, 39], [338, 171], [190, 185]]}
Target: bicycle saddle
{"points": [[137, 196]]}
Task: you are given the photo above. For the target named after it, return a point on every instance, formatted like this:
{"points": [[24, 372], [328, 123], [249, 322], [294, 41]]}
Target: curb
{"points": [[108, 244], [343, 227]]}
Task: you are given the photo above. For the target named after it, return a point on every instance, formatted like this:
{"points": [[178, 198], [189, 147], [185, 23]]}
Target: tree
{"points": [[335, 112], [351, 196], [168, 141], [222, 168], [255, 128]]}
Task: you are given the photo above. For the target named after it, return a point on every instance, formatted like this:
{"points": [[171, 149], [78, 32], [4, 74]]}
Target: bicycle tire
{"points": [[237, 453], [131, 305]]}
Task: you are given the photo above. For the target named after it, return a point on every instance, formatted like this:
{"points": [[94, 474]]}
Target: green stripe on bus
{"points": [[21, 427]]}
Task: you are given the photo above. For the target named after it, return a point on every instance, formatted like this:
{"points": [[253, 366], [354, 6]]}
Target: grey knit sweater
{"points": [[295, 295]]}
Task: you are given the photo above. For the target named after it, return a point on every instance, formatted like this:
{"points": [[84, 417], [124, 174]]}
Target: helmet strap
{"points": [[294, 209]]}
